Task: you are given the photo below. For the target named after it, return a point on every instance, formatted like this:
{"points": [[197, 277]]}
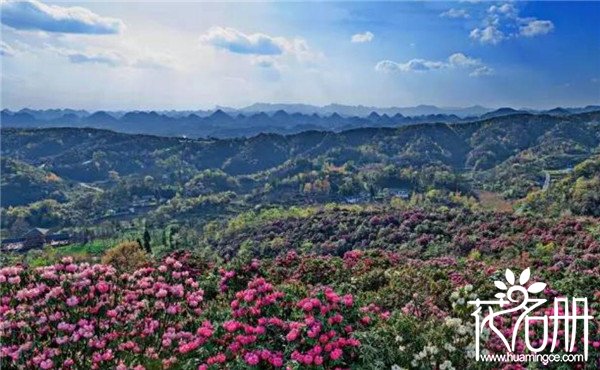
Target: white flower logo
{"points": [[514, 298], [523, 279]]}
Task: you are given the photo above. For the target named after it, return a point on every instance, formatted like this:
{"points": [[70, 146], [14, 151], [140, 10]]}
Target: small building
{"points": [[359, 198], [58, 239], [12, 244], [144, 201], [35, 238], [400, 193]]}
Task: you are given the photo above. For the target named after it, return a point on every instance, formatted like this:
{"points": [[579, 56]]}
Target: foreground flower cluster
{"points": [[90, 316], [366, 309]]}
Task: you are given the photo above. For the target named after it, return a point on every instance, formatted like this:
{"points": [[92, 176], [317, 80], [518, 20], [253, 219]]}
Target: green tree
{"points": [[147, 241]]}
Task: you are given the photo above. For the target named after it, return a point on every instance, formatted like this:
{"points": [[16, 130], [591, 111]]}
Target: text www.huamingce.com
{"points": [[533, 357]]}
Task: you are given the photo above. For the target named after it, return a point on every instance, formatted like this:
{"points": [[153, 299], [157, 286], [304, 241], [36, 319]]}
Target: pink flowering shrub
{"points": [[89, 316], [298, 310]]}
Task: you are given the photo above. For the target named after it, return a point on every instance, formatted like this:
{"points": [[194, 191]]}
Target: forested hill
{"points": [[90, 154], [61, 177]]}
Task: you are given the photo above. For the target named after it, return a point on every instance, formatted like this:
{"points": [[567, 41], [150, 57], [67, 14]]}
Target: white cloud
{"points": [[99, 58], [536, 27], [455, 13], [302, 52], [482, 71], [362, 37], [259, 44], [506, 9], [477, 68], [232, 40], [106, 57], [461, 60], [413, 65], [386, 66], [6, 50], [487, 35], [154, 61], [456, 60], [113, 58], [264, 61], [36, 16], [504, 22]]}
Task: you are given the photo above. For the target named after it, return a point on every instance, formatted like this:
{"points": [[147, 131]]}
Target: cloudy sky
{"points": [[152, 55]]}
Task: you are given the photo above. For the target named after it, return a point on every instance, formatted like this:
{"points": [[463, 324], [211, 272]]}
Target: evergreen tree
{"points": [[147, 240]]}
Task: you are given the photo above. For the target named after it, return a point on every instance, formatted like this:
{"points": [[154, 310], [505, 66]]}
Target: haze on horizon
{"points": [[186, 56]]}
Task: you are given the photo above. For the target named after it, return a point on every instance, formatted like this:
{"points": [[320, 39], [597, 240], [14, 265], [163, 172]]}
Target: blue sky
{"points": [[137, 55]]}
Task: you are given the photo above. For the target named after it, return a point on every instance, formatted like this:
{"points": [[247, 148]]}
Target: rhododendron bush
{"points": [[89, 316], [366, 309]]}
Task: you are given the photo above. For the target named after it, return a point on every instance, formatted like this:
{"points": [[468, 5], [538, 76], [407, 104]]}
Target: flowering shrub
{"points": [[372, 291], [89, 316]]}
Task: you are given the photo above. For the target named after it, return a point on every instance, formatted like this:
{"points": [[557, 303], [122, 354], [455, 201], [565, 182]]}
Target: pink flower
{"points": [[231, 326], [251, 358], [348, 300], [108, 355], [205, 332], [46, 364], [68, 362], [217, 359], [307, 306], [161, 293], [336, 353], [71, 267], [72, 301], [308, 359], [292, 335], [173, 309], [276, 361], [102, 287]]}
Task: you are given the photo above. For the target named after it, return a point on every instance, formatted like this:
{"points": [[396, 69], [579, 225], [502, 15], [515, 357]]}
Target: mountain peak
{"points": [[219, 114], [373, 116], [281, 114]]}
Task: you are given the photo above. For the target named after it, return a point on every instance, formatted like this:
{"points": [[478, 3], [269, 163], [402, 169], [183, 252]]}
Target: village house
{"points": [[35, 238]]}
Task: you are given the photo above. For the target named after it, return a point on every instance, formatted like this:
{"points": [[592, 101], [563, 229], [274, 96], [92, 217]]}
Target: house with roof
{"points": [[35, 238]]}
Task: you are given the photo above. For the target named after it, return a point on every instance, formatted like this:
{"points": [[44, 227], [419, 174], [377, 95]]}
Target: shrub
{"points": [[126, 256]]}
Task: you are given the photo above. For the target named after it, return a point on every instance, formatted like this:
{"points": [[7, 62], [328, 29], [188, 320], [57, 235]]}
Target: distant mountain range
{"points": [[260, 118], [363, 111]]}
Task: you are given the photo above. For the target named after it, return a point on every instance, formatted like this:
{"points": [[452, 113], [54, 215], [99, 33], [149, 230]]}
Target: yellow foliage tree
{"points": [[126, 256]]}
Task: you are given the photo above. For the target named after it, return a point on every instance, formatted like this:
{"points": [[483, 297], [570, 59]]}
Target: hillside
{"points": [[481, 144], [413, 232], [575, 190], [110, 172], [22, 183]]}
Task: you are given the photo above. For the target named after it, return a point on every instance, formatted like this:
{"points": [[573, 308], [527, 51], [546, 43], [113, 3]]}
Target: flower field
{"points": [[89, 316], [368, 308]]}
